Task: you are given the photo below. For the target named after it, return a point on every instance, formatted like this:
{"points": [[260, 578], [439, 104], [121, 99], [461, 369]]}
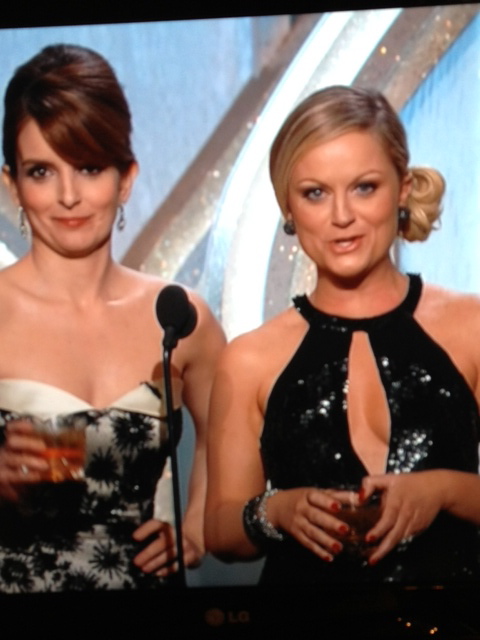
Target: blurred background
{"points": [[207, 97]]}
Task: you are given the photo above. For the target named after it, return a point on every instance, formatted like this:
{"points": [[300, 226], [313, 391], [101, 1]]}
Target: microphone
{"points": [[176, 314], [178, 317]]}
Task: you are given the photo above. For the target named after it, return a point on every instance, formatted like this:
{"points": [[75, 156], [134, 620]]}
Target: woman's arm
{"points": [[235, 471], [202, 354]]}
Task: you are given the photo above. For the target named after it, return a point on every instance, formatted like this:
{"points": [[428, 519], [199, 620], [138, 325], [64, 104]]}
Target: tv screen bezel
{"points": [[234, 611]]}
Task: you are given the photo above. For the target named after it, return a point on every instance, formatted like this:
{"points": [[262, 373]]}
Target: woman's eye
{"points": [[38, 172], [364, 188], [313, 193], [90, 170]]}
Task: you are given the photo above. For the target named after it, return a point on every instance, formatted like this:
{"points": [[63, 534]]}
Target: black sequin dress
{"points": [[434, 424]]}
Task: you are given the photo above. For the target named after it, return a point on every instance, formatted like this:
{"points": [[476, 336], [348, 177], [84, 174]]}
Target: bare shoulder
{"points": [[152, 285], [12, 286], [440, 305], [452, 319], [267, 344]]}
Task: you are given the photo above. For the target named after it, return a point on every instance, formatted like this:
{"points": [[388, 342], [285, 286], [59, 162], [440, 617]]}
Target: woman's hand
{"points": [[159, 557], [410, 503], [308, 515], [20, 459]]}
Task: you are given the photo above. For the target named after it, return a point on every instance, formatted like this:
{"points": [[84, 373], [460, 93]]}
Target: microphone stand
{"points": [[179, 578]]}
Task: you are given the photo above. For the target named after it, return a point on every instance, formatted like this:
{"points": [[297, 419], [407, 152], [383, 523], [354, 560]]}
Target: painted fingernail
{"points": [[372, 561], [371, 538], [336, 547], [343, 529], [361, 494], [335, 506]]}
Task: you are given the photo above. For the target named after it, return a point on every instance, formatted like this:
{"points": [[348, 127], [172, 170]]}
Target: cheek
{"points": [[104, 193], [35, 197], [307, 214]]}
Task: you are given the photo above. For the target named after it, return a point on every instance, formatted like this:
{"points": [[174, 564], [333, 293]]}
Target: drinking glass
{"points": [[360, 517], [64, 439]]}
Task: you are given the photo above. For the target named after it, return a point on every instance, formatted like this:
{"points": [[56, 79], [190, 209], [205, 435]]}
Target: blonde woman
{"points": [[368, 385]]}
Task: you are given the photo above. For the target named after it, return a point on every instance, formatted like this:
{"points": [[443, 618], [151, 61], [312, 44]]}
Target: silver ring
{"points": [[407, 540], [24, 469]]}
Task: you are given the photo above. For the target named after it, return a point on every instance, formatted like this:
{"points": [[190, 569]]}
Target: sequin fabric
{"points": [[434, 424]]}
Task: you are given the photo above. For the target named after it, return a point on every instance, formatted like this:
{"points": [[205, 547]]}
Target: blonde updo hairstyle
{"points": [[336, 110]]}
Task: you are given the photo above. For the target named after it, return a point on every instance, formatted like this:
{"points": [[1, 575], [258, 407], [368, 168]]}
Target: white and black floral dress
{"points": [[78, 535]]}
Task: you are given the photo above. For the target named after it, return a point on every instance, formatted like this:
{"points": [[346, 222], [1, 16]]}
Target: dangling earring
{"points": [[22, 224], [403, 218], [289, 227], [121, 222]]}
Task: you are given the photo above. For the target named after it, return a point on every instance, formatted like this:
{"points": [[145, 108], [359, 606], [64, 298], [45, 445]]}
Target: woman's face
{"points": [[343, 195], [70, 209]]}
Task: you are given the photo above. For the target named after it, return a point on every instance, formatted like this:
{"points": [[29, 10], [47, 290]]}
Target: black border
{"points": [[384, 612]]}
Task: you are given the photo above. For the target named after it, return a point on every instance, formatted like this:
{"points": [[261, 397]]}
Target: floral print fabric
{"points": [[78, 535]]}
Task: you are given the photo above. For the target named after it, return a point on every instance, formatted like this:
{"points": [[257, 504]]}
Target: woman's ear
{"points": [[10, 183], [405, 188], [126, 181]]}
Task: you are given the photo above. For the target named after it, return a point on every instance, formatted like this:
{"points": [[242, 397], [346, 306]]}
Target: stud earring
{"points": [[289, 227], [403, 218], [121, 222], [22, 223]]}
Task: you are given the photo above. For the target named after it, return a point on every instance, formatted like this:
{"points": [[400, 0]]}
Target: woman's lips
{"points": [[73, 223], [345, 245]]}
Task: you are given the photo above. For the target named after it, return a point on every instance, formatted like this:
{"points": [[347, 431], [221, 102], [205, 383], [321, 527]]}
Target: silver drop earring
{"points": [[22, 223], [121, 222]]}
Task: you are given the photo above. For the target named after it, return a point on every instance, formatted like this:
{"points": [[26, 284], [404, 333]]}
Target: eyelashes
{"points": [[37, 171], [366, 188], [362, 188], [41, 171], [313, 193]]}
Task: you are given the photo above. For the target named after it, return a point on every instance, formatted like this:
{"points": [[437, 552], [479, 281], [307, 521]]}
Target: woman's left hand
{"points": [[159, 557], [410, 503]]}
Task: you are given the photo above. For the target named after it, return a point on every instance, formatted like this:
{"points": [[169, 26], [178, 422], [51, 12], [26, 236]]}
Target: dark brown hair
{"points": [[73, 95]]}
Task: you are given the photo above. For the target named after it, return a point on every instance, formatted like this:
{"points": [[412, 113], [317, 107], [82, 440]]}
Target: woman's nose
{"points": [[342, 214], [69, 193]]}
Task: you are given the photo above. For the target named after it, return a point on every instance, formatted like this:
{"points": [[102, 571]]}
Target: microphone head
{"points": [[175, 313]]}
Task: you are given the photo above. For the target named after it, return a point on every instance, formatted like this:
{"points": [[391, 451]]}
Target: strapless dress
{"points": [[78, 535]]}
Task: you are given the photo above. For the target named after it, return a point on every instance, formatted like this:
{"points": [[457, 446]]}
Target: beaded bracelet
{"points": [[255, 522]]}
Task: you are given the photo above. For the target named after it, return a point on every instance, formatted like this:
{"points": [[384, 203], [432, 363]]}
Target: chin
{"points": [[75, 250], [348, 277]]}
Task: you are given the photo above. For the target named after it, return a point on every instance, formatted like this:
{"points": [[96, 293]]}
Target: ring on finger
{"points": [[24, 469]]}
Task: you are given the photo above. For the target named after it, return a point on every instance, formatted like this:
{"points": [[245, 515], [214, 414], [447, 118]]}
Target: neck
{"points": [[80, 281], [362, 297]]}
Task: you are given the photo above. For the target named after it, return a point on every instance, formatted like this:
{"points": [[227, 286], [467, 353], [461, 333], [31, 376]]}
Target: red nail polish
{"points": [[361, 494], [370, 539], [343, 529], [336, 547], [335, 506], [372, 561]]}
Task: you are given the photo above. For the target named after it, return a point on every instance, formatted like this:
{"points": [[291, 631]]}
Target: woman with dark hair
{"points": [[365, 391], [79, 337]]}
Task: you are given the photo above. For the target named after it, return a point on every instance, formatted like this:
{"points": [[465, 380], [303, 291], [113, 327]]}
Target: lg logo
{"points": [[217, 617]]}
